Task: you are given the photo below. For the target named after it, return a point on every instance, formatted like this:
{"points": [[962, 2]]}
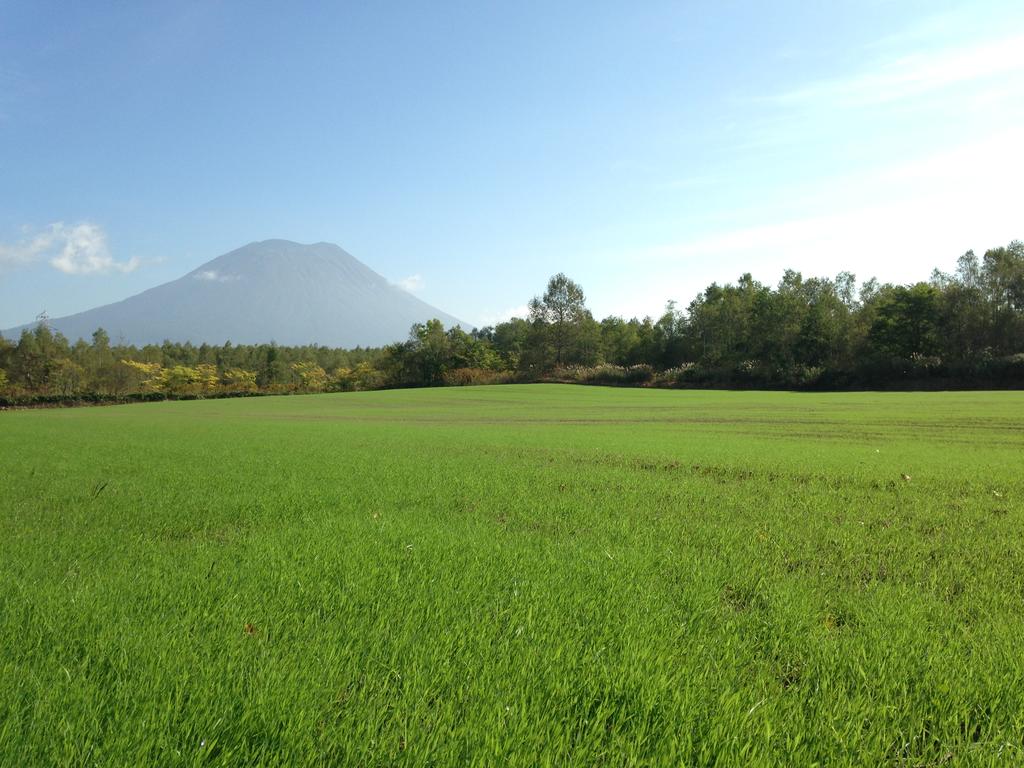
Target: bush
{"points": [[680, 375], [807, 375], [607, 373], [1007, 371], [925, 364], [467, 377], [364, 376]]}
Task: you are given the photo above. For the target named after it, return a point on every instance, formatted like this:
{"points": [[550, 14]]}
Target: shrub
{"points": [[606, 373], [465, 377], [1006, 371], [239, 380], [807, 375], [927, 364], [684, 373], [363, 376], [312, 376]]}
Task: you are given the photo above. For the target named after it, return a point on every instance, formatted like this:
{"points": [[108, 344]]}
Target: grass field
{"points": [[515, 575]]}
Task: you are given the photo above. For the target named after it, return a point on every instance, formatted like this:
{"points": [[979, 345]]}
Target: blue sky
{"points": [[470, 150]]}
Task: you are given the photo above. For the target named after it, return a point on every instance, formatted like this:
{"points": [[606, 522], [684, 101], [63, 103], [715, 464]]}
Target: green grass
{"points": [[516, 575]]}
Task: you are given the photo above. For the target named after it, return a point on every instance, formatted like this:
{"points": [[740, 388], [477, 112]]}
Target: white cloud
{"points": [[213, 276], [412, 283], [896, 222], [493, 318], [18, 254], [74, 250], [915, 74]]}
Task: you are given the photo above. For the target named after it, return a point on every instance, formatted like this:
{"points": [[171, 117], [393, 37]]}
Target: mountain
{"points": [[274, 290]]}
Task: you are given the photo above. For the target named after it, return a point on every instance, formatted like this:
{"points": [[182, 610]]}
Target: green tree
{"points": [[562, 324], [963, 310], [620, 341], [423, 359], [433, 350], [824, 336], [67, 377], [31, 362], [671, 337], [1002, 273], [907, 322]]}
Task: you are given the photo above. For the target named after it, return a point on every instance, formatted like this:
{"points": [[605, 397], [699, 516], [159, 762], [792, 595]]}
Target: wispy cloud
{"points": [[888, 221], [412, 283], [213, 276], [80, 249], [492, 318], [914, 74], [690, 182]]}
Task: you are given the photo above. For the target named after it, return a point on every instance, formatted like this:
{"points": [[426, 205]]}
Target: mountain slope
{"points": [[274, 290]]}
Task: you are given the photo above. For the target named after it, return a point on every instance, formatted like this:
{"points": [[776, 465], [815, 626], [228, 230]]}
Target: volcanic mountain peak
{"points": [[273, 290]]}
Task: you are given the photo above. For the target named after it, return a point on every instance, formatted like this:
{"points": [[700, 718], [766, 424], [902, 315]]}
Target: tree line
{"points": [[962, 328], [43, 365]]}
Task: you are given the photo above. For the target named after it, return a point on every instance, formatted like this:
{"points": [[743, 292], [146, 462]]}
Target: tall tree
{"points": [[907, 321], [561, 312]]}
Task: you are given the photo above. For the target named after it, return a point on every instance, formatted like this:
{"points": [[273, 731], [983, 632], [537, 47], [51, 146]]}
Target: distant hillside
{"points": [[275, 290]]}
